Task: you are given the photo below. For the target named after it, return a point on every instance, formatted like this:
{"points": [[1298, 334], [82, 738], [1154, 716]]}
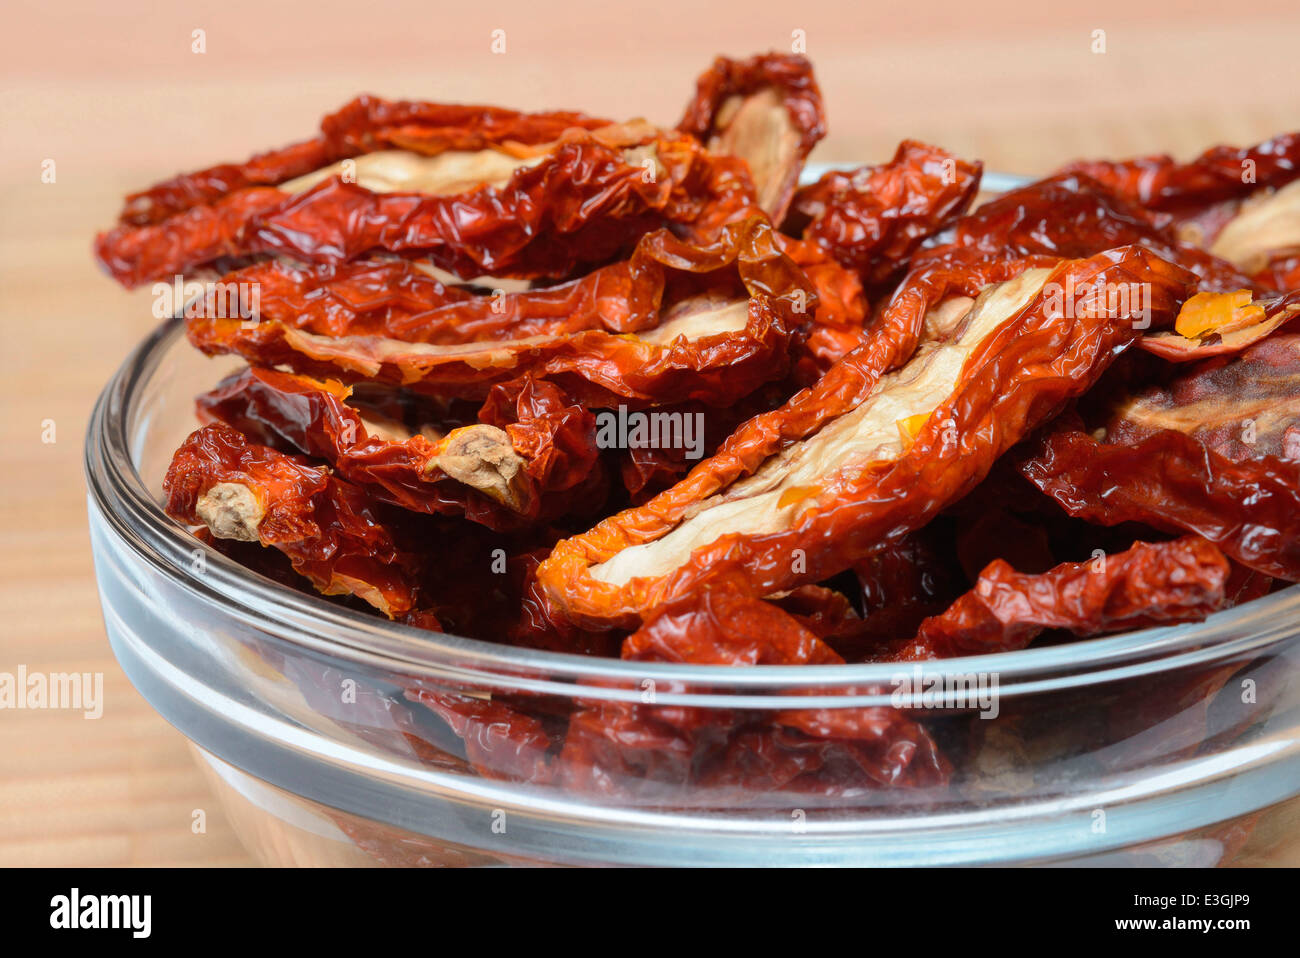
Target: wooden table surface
{"points": [[114, 95]]}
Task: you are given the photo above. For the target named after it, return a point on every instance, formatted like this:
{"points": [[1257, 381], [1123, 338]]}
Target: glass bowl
{"points": [[334, 737]]}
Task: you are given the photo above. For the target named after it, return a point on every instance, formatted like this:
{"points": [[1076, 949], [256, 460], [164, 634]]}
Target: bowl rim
{"points": [[119, 491]]}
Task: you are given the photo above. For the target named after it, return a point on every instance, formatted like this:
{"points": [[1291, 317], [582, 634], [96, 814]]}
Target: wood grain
{"points": [[114, 95]]}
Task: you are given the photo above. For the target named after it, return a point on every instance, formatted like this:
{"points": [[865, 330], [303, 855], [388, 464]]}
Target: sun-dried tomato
{"points": [[1171, 481], [1221, 324], [556, 436], [500, 742], [363, 125], [204, 187], [1241, 406], [400, 300], [1241, 204], [368, 296], [767, 110], [1214, 449], [1220, 173], [838, 322], [889, 341], [343, 541], [495, 473], [821, 610], [1072, 216], [581, 203], [655, 755], [721, 627], [368, 123], [1149, 584], [714, 346], [927, 436], [874, 218]]}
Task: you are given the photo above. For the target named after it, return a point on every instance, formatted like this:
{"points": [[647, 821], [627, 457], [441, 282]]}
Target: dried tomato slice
{"points": [[1220, 173], [363, 125], [1224, 323], [1171, 481], [714, 346], [336, 536], [1148, 584], [860, 746], [767, 110], [618, 748], [889, 342], [368, 296], [874, 218], [555, 435], [838, 325], [579, 202], [398, 299], [880, 465], [1240, 204], [1241, 407], [368, 123], [1070, 215], [500, 741], [1214, 449], [722, 627], [495, 473]]}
